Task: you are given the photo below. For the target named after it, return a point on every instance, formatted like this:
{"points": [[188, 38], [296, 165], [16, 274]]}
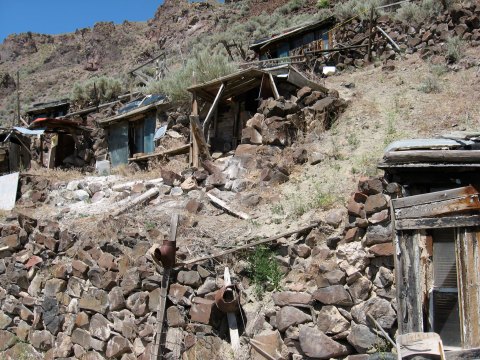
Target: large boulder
{"points": [[315, 344], [380, 309], [289, 316]]}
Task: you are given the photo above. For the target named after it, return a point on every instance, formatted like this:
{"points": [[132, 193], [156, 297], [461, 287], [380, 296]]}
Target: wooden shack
{"points": [[436, 219], [311, 37], [52, 109], [15, 152], [132, 133], [232, 100]]}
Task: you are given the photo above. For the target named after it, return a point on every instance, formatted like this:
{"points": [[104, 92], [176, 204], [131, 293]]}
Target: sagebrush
{"points": [[97, 90]]}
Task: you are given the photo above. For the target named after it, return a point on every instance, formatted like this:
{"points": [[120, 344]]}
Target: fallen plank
{"points": [[138, 200], [225, 206], [390, 40], [246, 246], [176, 151], [384, 333], [197, 131]]}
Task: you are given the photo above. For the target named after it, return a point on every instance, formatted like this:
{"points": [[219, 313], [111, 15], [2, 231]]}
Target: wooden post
{"points": [[206, 123], [273, 86], [370, 35], [18, 97], [194, 149]]}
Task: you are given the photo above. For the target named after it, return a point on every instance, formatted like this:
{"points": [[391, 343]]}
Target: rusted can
{"points": [[227, 299], [166, 254]]}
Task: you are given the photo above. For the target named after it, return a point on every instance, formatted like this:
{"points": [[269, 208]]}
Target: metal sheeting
{"points": [[8, 191], [26, 131], [161, 131], [118, 143]]}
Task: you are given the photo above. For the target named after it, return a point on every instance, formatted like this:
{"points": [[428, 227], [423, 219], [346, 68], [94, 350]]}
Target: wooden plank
{"points": [[172, 152], [433, 197], [274, 87], [467, 203], [447, 156], [468, 263], [408, 282], [370, 35], [298, 79], [211, 111], [250, 244], [232, 320], [228, 208], [466, 354], [138, 200], [197, 132], [441, 222], [53, 151]]}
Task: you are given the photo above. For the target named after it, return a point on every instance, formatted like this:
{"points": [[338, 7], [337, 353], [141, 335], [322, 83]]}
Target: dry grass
{"points": [[57, 175]]}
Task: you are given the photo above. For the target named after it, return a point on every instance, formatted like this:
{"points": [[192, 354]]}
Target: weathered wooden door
{"points": [[118, 143]]}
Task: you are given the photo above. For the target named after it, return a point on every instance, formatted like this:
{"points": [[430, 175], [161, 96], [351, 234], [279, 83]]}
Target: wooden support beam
{"points": [[138, 200], [211, 111], [273, 86], [248, 245], [433, 197], [201, 143], [440, 222]]}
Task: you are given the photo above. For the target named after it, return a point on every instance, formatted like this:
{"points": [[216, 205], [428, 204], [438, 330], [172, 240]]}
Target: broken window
{"points": [[444, 309]]}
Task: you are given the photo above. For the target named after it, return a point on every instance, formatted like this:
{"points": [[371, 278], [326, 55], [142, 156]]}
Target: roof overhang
{"points": [[136, 114]]}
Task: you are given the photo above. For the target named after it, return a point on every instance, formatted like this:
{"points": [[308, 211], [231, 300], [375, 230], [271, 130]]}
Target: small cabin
{"points": [[132, 131], [14, 150], [311, 37]]}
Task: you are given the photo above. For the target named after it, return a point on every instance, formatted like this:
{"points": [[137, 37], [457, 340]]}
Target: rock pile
{"points": [[61, 297]]}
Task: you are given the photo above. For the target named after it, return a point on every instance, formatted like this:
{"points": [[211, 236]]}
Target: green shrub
{"points": [[97, 89], [351, 8], [323, 4], [205, 65], [291, 6], [264, 270], [417, 13], [455, 49], [430, 84]]}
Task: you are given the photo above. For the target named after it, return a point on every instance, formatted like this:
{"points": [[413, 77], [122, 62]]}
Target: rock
{"points": [[385, 249], [379, 234], [334, 217], [363, 339], [81, 195], [22, 351], [174, 342], [355, 209], [379, 217], [191, 278], [7, 340], [384, 277], [354, 254], [303, 92], [333, 295], [201, 310], [379, 308], [208, 286], [284, 298], [41, 340], [117, 346], [272, 344], [375, 203], [175, 317], [52, 320], [116, 299], [302, 250], [316, 157], [360, 289], [334, 277], [79, 268], [352, 234], [22, 330], [289, 316], [94, 300], [100, 327], [370, 186], [250, 135], [206, 346], [315, 344], [330, 321], [137, 303], [63, 346], [130, 281], [82, 338], [5, 320], [216, 179], [313, 98], [53, 287]]}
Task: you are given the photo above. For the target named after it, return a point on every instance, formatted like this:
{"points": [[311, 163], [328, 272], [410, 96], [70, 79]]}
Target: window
{"points": [[444, 311]]}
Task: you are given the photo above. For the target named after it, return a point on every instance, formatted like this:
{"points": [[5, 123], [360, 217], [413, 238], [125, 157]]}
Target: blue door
{"points": [[118, 143], [149, 133]]}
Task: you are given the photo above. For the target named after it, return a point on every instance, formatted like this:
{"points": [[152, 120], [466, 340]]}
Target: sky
{"points": [[63, 16]]}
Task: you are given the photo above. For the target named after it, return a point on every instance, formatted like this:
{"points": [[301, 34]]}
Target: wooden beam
{"points": [[447, 156], [197, 132], [172, 152], [440, 222], [211, 111], [465, 354], [274, 87], [467, 203], [370, 35], [227, 208], [248, 245], [138, 200], [433, 197]]}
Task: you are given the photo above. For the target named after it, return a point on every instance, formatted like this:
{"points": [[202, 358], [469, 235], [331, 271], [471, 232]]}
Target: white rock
{"points": [[81, 195], [73, 185]]}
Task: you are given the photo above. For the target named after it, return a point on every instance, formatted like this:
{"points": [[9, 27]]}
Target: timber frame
{"points": [[439, 191]]}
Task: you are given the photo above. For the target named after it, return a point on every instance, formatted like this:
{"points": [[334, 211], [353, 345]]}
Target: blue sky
{"points": [[62, 16]]}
